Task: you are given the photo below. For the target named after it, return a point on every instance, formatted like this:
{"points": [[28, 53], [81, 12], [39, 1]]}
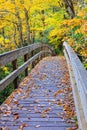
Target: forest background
{"points": [[23, 22]]}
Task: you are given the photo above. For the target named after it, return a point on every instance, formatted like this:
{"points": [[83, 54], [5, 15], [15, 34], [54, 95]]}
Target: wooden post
{"points": [[25, 59], [44, 52], [45, 49], [41, 50], [15, 66], [32, 54]]}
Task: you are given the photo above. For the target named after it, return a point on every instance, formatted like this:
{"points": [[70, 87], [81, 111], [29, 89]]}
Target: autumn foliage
{"points": [[23, 22]]}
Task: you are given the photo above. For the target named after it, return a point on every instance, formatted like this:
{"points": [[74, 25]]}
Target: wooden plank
{"points": [[36, 115], [32, 54], [12, 55], [34, 128], [42, 123], [26, 119], [14, 74]]}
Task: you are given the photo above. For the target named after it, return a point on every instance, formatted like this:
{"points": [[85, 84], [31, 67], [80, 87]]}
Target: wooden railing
{"points": [[29, 54], [78, 76]]}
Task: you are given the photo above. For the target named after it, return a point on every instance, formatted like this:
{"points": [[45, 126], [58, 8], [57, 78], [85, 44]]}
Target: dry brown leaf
{"points": [[43, 115], [7, 112], [59, 104], [16, 117], [16, 102], [69, 129], [23, 125], [58, 92], [16, 113], [8, 101], [46, 110]]}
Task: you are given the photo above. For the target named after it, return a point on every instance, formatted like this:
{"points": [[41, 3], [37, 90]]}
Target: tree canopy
{"points": [[24, 22]]}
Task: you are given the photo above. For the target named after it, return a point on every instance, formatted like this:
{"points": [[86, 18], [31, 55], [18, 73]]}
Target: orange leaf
{"points": [[23, 125], [16, 117], [46, 110], [70, 129], [58, 92]]}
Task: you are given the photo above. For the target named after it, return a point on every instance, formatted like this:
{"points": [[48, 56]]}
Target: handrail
{"points": [[12, 56], [79, 74]]}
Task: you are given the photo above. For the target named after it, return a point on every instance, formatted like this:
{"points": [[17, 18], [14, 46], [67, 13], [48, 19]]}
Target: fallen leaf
{"points": [[16, 102], [7, 113], [46, 110], [16, 117], [69, 129], [15, 113], [23, 125], [58, 92], [59, 104], [43, 115]]}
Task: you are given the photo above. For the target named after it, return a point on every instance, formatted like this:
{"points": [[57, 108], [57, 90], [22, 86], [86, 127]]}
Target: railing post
{"points": [[41, 49], [15, 66], [45, 49], [25, 59], [32, 54]]}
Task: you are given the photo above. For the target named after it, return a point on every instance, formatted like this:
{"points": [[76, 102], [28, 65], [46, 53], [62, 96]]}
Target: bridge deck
{"points": [[39, 101]]}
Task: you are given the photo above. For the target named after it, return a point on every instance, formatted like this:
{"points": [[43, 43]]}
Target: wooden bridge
{"points": [[40, 101]]}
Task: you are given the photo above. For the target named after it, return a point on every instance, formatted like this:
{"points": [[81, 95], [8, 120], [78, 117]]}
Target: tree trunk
{"points": [[27, 26], [14, 36], [43, 18], [20, 28], [3, 34], [69, 8]]}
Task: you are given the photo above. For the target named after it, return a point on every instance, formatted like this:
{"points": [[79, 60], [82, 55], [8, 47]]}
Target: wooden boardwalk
{"points": [[34, 105]]}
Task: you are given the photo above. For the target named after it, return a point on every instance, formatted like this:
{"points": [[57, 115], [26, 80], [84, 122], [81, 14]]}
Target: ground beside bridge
{"points": [[43, 100]]}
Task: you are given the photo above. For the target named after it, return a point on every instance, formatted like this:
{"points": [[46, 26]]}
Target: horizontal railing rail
{"points": [[30, 54], [12, 55], [80, 76]]}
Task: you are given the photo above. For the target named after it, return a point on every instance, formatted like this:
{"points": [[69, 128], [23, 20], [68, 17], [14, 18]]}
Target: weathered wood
{"points": [[79, 79], [79, 110], [15, 66], [42, 123], [40, 128], [27, 109], [41, 48], [32, 54], [12, 55], [25, 59], [15, 73]]}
